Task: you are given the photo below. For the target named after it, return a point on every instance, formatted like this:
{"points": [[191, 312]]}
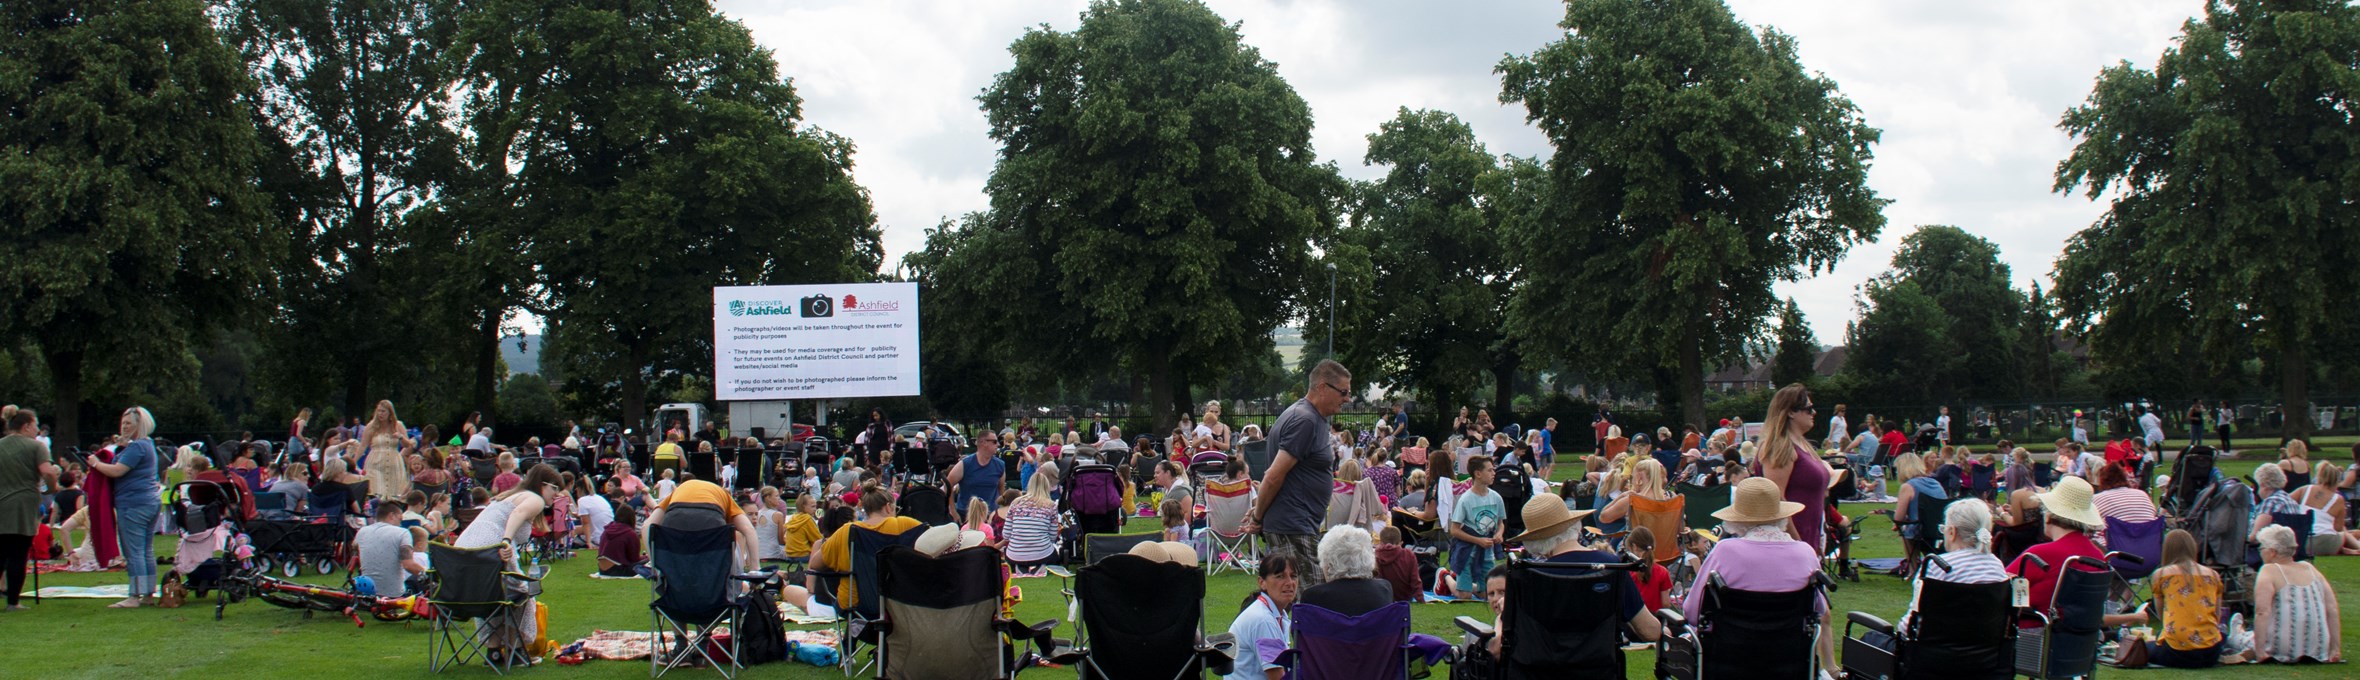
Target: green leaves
{"points": [[1696, 164], [1154, 199], [2230, 169]]}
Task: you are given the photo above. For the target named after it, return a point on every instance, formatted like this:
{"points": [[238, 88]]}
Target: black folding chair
{"points": [[941, 618], [1962, 632], [1565, 621], [470, 584], [1140, 618], [2065, 642], [855, 625], [927, 504], [691, 555], [1745, 633]]}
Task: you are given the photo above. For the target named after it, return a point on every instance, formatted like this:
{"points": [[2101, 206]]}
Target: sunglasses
{"points": [[1341, 392]]}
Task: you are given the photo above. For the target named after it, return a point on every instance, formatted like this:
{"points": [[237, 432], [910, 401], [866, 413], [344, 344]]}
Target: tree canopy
{"points": [[130, 187], [1795, 357], [1153, 201], [1696, 164], [1422, 277], [2230, 169]]}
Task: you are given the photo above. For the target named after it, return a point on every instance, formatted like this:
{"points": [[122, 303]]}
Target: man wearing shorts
{"points": [[1295, 489]]}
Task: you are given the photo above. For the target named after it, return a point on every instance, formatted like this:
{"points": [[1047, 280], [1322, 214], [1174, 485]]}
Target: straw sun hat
{"points": [[1546, 515], [2070, 499], [1757, 501]]}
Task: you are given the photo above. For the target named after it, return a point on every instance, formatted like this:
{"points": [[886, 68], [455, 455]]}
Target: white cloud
{"points": [[1967, 94]]}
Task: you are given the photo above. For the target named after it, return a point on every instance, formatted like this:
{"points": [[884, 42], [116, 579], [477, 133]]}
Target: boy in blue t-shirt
{"points": [[1476, 527]]}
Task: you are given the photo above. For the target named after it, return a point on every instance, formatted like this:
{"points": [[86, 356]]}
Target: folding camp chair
{"points": [[1230, 546], [1700, 502], [925, 503], [470, 584], [1565, 622], [854, 624], [1373, 646], [690, 555], [941, 618], [1744, 634], [2064, 643], [1140, 618], [1969, 636]]}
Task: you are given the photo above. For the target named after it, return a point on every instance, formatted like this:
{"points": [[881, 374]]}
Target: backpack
{"points": [[762, 635]]}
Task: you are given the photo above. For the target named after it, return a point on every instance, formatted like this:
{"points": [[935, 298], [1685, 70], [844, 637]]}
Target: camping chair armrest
{"points": [[1674, 622], [1479, 629], [1865, 620], [1035, 633], [1219, 653]]}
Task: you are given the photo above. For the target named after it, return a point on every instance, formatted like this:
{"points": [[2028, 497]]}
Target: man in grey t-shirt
{"points": [[385, 551], [1295, 489]]}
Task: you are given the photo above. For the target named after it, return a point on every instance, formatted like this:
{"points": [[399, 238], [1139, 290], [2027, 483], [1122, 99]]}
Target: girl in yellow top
{"points": [[802, 530], [2190, 597]]}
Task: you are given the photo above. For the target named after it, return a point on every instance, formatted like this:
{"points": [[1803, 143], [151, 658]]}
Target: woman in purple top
{"points": [[1789, 461]]}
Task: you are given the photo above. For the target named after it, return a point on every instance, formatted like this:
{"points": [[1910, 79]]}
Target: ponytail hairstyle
{"points": [[1272, 565]]}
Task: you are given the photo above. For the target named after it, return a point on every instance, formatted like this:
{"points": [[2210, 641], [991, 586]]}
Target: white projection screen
{"points": [[828, 341]]}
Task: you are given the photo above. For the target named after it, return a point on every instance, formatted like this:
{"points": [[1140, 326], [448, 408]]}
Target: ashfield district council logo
{"points": [[737, 308], [759, 308]]}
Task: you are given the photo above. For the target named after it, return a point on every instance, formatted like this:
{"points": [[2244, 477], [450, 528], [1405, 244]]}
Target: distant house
{"points": [[1749, 376]]}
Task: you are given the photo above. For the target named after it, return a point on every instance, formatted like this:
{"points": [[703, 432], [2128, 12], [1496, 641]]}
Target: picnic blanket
{"points": [[630, 645], [113, 592]]}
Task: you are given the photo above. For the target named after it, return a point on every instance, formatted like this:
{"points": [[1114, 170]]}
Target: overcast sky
{"points": [[1967, 94]]}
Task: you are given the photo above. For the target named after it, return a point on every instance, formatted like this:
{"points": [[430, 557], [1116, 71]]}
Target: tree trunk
{"points": [[635, 391], [1691, 378], [487, 361], [1161, 407], [2294, 389], [356, 387], [65, 386], [1503, 385]]}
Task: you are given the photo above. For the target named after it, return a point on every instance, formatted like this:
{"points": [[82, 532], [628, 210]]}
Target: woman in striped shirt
{"points": [[1032, 526]]}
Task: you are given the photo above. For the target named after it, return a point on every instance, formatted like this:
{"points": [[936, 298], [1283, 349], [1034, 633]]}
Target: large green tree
{"points": [[358, 91], [1983, 310], [660, 154], [1421, 277], [129, 191], [1697, 163], [1901, 339], [1794, 357], [1154, 202], [2232, 169]]}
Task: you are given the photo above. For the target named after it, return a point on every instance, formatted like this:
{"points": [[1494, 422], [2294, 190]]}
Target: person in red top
{"points": [[1890, 445], [1398, 566], [2071, 518], [1655, 581]]}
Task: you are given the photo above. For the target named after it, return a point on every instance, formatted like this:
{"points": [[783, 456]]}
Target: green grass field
{"points": [[83, 639]]}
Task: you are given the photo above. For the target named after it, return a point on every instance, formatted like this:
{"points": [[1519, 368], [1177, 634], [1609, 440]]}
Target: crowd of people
{"points": [[1338, 513]]}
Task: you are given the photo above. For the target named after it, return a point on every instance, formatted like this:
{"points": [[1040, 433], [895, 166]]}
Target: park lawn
{"points": [[83, 639]]}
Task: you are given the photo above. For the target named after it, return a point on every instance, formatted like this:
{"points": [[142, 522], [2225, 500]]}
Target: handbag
{"points": [[173, 593], [2131, 654]]}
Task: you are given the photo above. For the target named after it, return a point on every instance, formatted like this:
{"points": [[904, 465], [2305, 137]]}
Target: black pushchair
{"points": [[207, 514]]}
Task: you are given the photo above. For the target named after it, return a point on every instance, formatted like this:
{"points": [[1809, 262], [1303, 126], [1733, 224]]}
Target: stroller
{"points": [[289, 545], [207, 515], [1094, 494]]}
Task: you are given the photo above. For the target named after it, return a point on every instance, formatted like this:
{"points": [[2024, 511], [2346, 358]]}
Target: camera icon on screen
{"points": [[818, 306]]}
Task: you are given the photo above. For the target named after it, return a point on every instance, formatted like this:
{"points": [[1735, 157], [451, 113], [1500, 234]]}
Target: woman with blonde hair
{"points": [[1210, 432], [1354, 501], [2297, 464], [1915, 482], [2328, 514], [1788, 460], [136, 497], [1032, 526], [386, 441], [1646, 482]]}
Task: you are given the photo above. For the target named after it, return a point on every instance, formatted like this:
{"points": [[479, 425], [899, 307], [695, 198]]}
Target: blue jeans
{"points": [[135, 530], [1470, 562]]}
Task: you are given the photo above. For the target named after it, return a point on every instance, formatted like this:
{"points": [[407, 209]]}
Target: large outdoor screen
{"points": [[826, 341]]}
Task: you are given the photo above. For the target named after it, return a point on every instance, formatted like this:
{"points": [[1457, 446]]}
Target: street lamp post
{"points": [[1331, 343]]}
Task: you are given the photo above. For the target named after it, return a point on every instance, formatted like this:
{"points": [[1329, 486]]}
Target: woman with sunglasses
{"points": [[1788, 460]]}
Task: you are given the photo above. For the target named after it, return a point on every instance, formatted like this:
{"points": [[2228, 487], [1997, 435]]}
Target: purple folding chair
{"points": [[2144, 539], [1372, 646]]}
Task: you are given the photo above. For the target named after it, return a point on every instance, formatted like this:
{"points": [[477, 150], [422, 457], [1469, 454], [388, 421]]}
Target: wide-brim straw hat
{"points": [[1546, 515], [1757, 501], [2070, 499]]}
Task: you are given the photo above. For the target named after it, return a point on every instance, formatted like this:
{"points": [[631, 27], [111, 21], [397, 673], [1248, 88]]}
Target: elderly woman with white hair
{"points": [[1348, 558], [2270, 490], [2295, 612], [138, 496], [1966, 545]]}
